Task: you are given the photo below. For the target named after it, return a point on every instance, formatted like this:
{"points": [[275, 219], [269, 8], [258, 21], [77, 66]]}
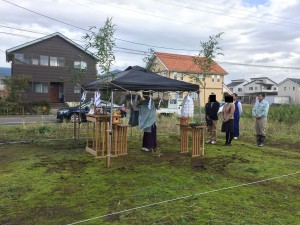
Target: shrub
{"points": [[38, 107]]}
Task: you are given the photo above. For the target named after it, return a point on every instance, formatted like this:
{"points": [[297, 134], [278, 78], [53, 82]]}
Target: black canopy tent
{"points": [[137, 78]]}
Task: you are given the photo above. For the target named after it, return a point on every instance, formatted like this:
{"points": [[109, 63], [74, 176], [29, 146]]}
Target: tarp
{"points": [[137, 78]]}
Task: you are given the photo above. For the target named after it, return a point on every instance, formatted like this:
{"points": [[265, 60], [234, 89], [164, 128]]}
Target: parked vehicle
{"points": [[173, 108], [69, 113]]}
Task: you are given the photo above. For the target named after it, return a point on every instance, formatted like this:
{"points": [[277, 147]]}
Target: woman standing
{"points": [[228, 119]]}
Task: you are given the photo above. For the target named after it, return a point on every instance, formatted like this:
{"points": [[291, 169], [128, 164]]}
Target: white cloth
{"points": [[83, 97], [97, 99], [187, 109]]}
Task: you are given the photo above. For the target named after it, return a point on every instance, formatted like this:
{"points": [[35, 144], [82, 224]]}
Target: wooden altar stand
{"points": [[99, 146], [198, 139]]}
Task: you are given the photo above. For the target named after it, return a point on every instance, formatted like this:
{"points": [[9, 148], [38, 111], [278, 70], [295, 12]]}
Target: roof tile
{"points": [[185, 63]]}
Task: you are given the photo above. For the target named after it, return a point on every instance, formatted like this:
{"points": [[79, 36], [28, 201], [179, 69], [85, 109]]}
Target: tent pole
{"points": [[199, 103], [110, 130]]}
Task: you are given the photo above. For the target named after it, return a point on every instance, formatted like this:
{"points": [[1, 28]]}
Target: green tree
{"points": [[205, 59], [103, 43], [16, 86], [149, 60]]}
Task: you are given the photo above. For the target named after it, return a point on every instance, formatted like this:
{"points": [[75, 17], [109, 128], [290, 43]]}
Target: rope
{"points": [[185, 197]]}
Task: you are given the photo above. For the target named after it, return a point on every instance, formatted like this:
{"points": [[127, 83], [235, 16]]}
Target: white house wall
{"points": [[258, 88], [237, 88], [291, 89]]}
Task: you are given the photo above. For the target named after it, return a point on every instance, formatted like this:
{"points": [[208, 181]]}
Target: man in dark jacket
{"points": [[211, 114]]}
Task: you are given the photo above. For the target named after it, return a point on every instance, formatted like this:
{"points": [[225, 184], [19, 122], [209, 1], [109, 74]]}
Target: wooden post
{"points": [[184, 139], [74, 135], [87, 133]]}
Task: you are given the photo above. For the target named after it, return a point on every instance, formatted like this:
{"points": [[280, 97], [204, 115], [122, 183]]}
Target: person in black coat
{"points": [[211, 116]]}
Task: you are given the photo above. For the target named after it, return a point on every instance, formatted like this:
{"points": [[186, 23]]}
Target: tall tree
{"points": [[102, 42], [149, 60], [205, 59]]}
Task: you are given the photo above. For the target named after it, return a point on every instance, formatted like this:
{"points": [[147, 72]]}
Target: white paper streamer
{"points": [[97, 99], [187, 109]]}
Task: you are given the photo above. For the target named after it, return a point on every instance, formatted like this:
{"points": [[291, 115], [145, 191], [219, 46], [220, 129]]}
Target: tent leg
{"points": [[199, 103], [110, 130]]}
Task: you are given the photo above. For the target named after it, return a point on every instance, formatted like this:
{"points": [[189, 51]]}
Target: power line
{"points": [[229, 7], [20, 35], [262, 66], [22, 29], [119, 39], [140, 52], [235, 8], [48, 17], [222, 14], [160, 17]]}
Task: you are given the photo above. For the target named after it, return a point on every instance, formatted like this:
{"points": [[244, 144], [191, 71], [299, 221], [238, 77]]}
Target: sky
{"points": [[261, 37]]}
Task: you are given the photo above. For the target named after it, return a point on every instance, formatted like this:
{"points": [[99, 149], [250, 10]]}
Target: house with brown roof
{"points": [[183, 67], [52, 62]]}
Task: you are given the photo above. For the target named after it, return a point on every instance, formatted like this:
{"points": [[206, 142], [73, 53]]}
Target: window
{"points": [[284, 88], [181, 76], [194, 95], [294, 88], [44, 60], [274, 88], [218, 78], [35, 60], [255, 88], [203, 77], [77, 90], [178, 95], [19, 58], [80, 65], [22, 59], [175, 76], [250, 88], [240, 89], [57, 61], [27, 59], [41, 88], [212, 78]]}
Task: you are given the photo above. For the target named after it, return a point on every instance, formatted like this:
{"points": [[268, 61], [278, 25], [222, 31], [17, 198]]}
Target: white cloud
{"points": [[265, 34]]}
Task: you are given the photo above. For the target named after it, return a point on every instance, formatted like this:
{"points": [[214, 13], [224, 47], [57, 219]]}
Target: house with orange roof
{"points": [[183, 67]]}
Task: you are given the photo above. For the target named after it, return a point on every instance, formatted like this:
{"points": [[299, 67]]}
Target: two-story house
{"points": [[261, 84], [52, 62], [237, 86], [257, 85], [182, 67], [290, 87]]}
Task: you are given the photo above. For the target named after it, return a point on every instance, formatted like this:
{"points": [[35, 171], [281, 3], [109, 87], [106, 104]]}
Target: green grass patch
{"points": [[52, 181], [57, 183]]}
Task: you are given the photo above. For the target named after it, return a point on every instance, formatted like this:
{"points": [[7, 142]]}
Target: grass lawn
{"points": [[54, 182]]}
